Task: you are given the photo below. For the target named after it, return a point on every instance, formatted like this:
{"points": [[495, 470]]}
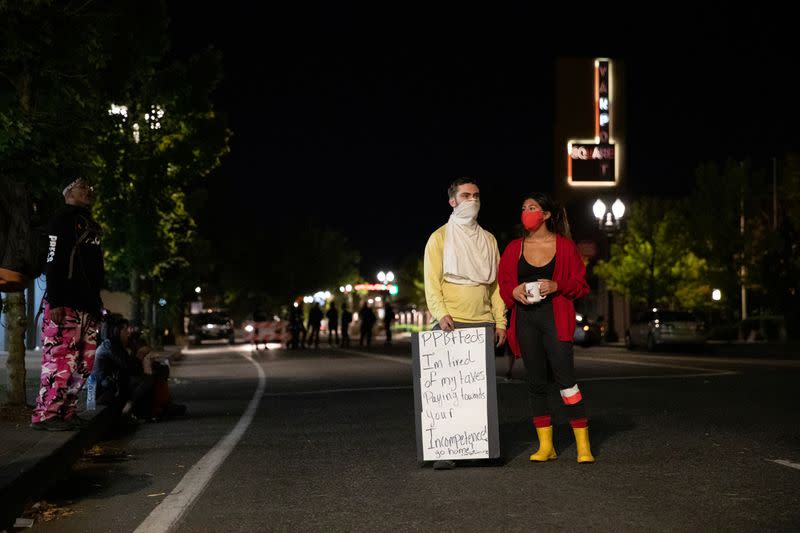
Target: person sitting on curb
{"points": [[140, 380], [112, 363], [150, 398]]}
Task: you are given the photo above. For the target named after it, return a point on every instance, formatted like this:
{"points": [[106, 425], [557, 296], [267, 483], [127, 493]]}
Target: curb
{"points": [[30, 476], [34, 473]]}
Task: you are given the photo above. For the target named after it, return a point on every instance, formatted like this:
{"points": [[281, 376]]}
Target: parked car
{"points": [[210, 326], [587, 332], [262, 331], [659, 327]]}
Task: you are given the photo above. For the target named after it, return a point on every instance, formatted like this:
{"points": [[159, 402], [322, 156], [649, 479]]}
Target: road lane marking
{"points": [[784, 462], [771, 362], [662, 365], [334, 391], [393, 359], [704, 372], [167, 515]]}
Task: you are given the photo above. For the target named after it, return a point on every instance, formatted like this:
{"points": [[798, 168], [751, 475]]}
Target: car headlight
{"points": [[249, 329], [579, 318], [209, 326]]}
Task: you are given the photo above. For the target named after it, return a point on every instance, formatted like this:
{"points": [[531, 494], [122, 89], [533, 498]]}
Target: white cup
{"points": [[533, 290]]}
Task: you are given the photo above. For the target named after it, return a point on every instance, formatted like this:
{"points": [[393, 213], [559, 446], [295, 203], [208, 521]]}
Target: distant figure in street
{"points": [[367, 318], [388, 318], [333, 324], [72, 305], [314, 323], [347, 318], [296, 328]]}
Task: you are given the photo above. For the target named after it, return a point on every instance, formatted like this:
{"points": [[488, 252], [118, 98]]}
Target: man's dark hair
{"points": [[453, 188]]}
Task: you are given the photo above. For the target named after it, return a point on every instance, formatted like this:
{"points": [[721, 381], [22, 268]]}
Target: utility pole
{"points": [[743, 270], [774, 193]]}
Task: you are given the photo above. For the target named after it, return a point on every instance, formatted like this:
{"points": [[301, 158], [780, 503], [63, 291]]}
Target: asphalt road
{"points": [[684, 442]]}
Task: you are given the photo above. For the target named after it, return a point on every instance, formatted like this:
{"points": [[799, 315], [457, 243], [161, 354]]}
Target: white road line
{"points": [[662, 365], [664, 376], [393, 359], [705, 372], [785, 462], [169, 512], [334, 391], [791, 363]]}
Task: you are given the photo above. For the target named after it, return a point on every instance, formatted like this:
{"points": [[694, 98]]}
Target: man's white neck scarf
{"points": [[469, 257]]}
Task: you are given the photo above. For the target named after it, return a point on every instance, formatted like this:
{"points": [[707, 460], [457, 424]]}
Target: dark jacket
{"points": [[75, 271], [314, 317], [333, 318]]}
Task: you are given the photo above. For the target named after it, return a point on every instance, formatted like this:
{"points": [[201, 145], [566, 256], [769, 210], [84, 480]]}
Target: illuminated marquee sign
{"points": [[593, 162], [392, 287]]}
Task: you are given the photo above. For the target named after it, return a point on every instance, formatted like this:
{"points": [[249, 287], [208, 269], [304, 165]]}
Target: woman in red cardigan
{"points": [[542, 332]]}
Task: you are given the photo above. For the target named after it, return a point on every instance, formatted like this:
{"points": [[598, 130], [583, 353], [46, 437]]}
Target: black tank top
{"points": [[526, 272]]}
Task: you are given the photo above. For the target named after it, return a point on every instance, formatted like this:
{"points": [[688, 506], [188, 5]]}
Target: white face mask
{"points": [[467, 211]]}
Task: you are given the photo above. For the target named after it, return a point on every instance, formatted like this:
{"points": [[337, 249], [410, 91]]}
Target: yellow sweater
{"points": [[465, 303]]}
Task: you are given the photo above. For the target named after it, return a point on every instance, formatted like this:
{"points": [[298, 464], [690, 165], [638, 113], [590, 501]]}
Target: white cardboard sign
{"points": [[455, 394]]}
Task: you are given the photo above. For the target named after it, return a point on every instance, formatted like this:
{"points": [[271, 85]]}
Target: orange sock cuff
{"points": [[542, 421], [579, 423]]}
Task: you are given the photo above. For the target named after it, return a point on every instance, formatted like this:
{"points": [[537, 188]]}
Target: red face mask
{"points": [[532, 220]]}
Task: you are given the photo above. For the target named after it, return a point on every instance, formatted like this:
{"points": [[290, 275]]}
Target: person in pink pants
{"points": [[72, 310], [67, 360]]}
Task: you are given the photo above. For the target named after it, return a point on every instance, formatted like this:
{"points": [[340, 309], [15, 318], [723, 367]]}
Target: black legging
{"points": [[547, 360]]}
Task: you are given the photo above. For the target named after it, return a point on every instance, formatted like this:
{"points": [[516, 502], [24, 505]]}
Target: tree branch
{"points": [[78, 10]]}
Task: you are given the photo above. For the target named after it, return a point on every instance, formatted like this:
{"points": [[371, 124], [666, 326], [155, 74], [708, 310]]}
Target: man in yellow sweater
{"points": [[461, 260]]}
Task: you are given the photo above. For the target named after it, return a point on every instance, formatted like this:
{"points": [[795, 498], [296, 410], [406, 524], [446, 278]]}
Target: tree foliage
{"points": [[652, 263]]}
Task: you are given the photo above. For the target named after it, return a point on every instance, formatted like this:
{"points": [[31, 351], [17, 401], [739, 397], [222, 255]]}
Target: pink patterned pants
{"points": [[67, 360]]}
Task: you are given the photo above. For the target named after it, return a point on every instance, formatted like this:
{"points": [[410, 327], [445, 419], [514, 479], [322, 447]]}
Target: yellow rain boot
{"points": [[582, 441], [546, 451]]}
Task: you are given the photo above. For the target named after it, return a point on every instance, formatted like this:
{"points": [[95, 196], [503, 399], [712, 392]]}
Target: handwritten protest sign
{"points": [[455, 394]]}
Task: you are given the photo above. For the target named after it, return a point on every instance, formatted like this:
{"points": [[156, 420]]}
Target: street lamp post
{"points": [[608, 220], [386, 278]]}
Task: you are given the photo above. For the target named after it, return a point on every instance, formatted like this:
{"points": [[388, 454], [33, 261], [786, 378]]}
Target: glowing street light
{"points": [[382, 276], [608, 220], [389, 276], [716, 295], [618, 209], [599, 209], [197, 289]]}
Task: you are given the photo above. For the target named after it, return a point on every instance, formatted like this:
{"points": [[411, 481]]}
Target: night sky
{"points": [[359, 120]]}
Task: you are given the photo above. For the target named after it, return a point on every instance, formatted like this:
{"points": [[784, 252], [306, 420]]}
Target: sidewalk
{"points": [[31, 461]]}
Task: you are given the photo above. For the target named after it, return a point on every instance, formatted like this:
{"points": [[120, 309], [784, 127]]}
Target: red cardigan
{"points": [[569, 273]]}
